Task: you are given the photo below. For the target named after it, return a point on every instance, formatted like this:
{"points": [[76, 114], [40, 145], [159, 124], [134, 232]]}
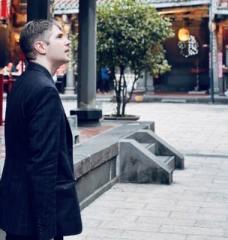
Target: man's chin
{"points": [[66, 60]]}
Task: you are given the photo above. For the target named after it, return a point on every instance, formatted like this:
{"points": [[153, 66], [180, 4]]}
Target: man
{"points": [[38, 200]]}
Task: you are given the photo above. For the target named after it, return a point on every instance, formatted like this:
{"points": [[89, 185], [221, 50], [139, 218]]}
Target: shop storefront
{"points": [[188, 51]]}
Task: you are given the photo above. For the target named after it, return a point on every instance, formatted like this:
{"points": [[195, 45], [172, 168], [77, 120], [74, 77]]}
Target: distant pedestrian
{"points": [[38, 200], [105, 78]]}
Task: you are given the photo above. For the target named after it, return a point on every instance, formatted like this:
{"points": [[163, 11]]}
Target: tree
{"points": [[130, 34]]}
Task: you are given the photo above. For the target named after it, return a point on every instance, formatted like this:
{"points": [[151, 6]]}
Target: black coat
{"points": [[37, 188]]}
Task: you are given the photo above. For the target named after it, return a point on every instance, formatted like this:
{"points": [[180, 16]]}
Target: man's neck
{"points": [[51, 69]]}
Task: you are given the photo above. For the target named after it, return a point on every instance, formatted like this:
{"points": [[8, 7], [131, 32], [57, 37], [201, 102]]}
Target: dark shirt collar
{"points": [[40, 68]]}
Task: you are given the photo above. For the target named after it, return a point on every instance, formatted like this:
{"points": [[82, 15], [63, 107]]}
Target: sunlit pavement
{"points": [[195, 206]]}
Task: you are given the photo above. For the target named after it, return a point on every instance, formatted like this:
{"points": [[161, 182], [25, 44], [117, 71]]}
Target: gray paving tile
{"points": [[140, 235], [197, 216], [127, 225], [192, 237], [217, 232], [166, 221], [211, 223], [120, 212]]}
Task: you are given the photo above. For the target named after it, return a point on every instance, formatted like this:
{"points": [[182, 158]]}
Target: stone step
{"points": [[139, 165], [150, 146], [146, 136], [168, 161]]}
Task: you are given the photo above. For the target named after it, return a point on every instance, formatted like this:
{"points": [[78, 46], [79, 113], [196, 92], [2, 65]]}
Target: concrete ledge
{"points": [[97, 193], [95, 161]]}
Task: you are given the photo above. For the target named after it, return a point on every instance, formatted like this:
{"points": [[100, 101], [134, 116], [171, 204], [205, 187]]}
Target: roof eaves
{"points": [[156, 3], [65, 6], [65, 11], [221, 12], [179, 4]]}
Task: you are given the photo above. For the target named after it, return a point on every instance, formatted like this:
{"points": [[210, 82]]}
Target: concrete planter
{"points": [[126, 117]]}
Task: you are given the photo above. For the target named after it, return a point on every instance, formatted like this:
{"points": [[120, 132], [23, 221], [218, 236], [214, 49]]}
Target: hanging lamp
{"points": [[183, 34]]}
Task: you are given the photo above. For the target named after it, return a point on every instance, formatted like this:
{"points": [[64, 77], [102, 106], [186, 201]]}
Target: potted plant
{"points": [[130, 34]]}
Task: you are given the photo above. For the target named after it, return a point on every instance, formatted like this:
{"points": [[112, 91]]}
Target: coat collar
{"points": [[40, 68]]}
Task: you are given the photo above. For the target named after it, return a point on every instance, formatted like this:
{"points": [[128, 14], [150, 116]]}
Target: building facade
{"points": [[198, 53], [201, 58]]}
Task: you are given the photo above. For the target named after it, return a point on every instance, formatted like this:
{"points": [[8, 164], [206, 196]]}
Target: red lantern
{"points": [[4, 9]]}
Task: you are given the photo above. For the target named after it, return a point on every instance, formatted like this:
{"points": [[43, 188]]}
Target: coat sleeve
{"points": [[44, 138]]}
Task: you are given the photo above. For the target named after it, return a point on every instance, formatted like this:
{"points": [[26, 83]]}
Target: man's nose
{"points": [[67, 41]]}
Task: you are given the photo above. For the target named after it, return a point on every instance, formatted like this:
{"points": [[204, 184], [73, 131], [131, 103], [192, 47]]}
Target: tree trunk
{"points": [[133, 86], [123, 108], [118, 90], [124, 96], [118, 96]]}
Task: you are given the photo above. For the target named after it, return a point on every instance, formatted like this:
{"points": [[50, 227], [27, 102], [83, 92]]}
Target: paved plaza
{"points": [[195, 206]]}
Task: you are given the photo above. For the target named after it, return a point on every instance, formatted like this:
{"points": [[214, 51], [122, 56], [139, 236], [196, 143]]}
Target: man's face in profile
{"points": [[58, 49]]}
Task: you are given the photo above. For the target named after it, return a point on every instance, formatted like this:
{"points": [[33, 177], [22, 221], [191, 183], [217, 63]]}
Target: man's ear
{"points": [[40, 47]]}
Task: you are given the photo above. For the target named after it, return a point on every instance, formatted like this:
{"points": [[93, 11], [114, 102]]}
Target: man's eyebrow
{"points": [[60, 34]]}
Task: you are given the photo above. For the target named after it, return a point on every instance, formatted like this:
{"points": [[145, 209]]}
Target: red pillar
{"points": [[4, 9], [1, 99]]}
